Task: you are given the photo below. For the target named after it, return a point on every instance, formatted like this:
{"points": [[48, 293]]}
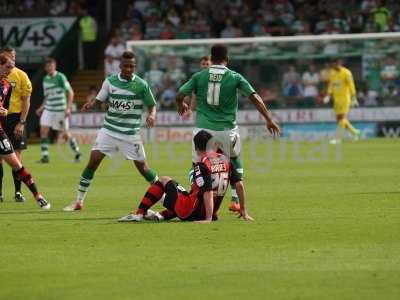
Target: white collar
{"points": [[218, 67], [124, 80]]}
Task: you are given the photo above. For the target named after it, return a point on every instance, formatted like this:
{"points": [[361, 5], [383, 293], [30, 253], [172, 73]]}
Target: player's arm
{"points": [[3, 110], [101, 97], [202, 179], [26, 91], [185, 90], [273, 127], [150, 102], [329, 92], [247, 90]]}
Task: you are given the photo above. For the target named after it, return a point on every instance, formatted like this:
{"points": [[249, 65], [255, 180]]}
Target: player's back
{"points": [[213, 172], [217, 100]]}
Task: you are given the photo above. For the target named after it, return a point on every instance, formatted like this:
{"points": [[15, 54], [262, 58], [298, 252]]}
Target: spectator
{"points": [[155, 77], [291, 83], [168, 32], [381, 16], [167, 99], [356, 22], [174, 73], [311, 81], [153, 27], [373, 85], [113, 55], [58, 7], [88, 26], [389, 77]]}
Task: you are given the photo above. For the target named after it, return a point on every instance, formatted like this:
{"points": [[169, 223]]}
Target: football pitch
{"points": [[327, 226]]}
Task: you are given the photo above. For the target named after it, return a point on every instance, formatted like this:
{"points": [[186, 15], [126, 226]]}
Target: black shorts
{"points": [[12, 121], [5, 144]]}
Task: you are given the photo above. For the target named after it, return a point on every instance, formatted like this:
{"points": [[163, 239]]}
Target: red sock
{"points": [[26, 177], [152, 196]]}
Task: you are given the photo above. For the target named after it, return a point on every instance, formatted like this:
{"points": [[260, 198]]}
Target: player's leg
{"points": [[44, 143], [24, 175], [46, 123], [235, 148], [349, 127], [96, 157], [135, 151], [17, 182], [73, 143], [153, 194]]}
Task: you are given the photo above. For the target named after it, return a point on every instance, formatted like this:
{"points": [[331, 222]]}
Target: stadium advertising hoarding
{"points": [[297, 124], [252, 117], [34, 38]]}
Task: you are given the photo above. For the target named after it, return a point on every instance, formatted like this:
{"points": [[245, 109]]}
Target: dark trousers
{"points": [[89, 55]]}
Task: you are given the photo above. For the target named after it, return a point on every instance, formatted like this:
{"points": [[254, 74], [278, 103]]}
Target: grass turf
{"points": [[327, 227]]}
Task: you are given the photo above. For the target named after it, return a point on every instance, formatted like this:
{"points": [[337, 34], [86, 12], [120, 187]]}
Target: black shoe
{"points": [[44, 160], [1, 198], [77, 157], [19, 197]]}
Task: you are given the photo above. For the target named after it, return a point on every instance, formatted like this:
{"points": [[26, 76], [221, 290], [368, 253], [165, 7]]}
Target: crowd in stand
{"points": [[34, 8], [237, 18]]}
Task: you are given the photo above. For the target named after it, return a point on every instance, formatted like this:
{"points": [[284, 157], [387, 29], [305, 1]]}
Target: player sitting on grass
{"points": [[6, 150], [126, 95], [211, 177]]}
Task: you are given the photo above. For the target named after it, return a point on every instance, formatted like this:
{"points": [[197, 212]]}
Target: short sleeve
{"points": [[148, 98], [104, 91], [26, 85], [202, 177], [188, 87], [234, 175], [245, 87], [65, 83]]}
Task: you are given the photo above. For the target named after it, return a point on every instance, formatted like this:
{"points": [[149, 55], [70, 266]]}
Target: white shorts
{"points": [[229, 141], [55, 120], [109, 145]]}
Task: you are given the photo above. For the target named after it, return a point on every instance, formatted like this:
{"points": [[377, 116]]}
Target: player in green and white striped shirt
{"points": [[55, 110], [126, 95]]}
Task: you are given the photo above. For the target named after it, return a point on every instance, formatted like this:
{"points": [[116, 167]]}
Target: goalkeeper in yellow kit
{"points": [[341, 88]]}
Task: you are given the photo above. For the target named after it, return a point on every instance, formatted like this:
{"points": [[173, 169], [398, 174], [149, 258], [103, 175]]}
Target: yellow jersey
{"points": [[341, 85], [21, 86]]}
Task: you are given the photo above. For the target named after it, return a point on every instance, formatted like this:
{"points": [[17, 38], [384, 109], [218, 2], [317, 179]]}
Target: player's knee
{"points": [[164, 180]]}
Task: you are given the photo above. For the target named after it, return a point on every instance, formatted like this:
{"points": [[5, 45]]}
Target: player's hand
{"points": [[68, 112], [87, 106], [19, 130], [186, 115], [273, 128], [183, 108], [243, 214], [39, 111], [326, 99], [3, 112], [354, 102], [150, 120]]}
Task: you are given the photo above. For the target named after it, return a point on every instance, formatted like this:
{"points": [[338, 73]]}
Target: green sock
{"points": [[237, 164], [44, 147], [84, 183], [151, 176]]}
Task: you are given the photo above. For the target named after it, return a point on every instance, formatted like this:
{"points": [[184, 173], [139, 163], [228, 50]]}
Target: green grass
{"points": [[327, 227]]}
